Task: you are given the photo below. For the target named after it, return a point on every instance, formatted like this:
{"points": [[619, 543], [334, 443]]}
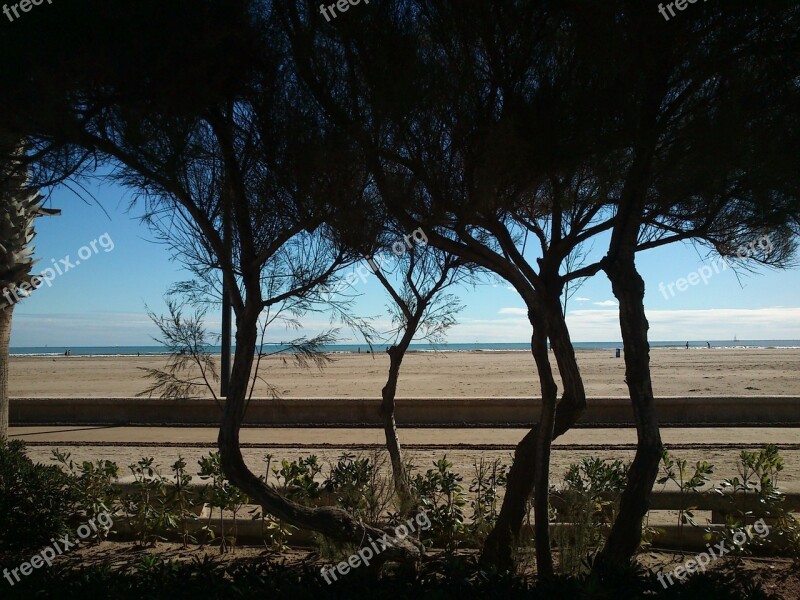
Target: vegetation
{"points": [[37, 502], [19, 207], [163, 580], [265, 144], [588, 503], [158, 508], [758, 480]]}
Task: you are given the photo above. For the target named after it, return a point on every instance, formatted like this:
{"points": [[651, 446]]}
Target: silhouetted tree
{"points": [[193, 107]]}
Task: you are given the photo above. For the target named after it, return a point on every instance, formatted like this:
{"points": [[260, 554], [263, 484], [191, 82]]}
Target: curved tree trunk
{"points": [[543, 441], [330, 521], [5, 341], [498, 550], [388, 393], [626, 532]]}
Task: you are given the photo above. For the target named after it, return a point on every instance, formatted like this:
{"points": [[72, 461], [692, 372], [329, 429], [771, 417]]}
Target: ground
{"points": [[779, 576]]}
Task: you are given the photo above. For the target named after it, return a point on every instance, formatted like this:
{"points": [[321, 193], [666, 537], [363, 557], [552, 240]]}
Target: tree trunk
{"points": [[5, 341], [388, 394], [541, 458], [626, 532], [330, 521], [387, 409], [498, 550]]}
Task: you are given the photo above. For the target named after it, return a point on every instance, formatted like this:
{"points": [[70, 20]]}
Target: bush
{"points": [[589, 502], [36, 501], [441, 495]]}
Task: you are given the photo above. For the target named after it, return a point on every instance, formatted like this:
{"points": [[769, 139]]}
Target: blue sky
{"points": [[101, 302]]}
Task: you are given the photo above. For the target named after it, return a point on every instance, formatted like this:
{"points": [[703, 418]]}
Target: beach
{"points": [[696, 372], [675, 372]]}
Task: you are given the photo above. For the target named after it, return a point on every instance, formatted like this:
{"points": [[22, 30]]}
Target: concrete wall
{"points": [[709, 410]]}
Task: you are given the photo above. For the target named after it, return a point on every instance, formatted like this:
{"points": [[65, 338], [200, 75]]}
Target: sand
{"points": [[694, 372], [423, 447]]}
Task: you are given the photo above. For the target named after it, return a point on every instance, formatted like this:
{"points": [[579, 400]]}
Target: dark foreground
{"points": [[123, 571]]}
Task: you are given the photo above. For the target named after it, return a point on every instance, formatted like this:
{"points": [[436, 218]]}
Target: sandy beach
{"points": [[694, 372]]}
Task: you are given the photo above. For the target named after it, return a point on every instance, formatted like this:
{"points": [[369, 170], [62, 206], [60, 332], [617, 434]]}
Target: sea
{"points": [[364, 348]]}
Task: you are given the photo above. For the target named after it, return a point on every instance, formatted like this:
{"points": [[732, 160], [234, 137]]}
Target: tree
{"points": [[195, 110], [447, 162], [19, 207], [487, 126], [704, 149], [419, 307], [564, 122]]}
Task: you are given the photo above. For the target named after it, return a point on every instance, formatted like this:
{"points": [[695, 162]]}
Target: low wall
{"points": [[421, 412], [664, 535]]}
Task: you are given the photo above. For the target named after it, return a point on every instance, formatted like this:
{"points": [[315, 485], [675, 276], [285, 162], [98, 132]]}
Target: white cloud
{"points": [[723, 324], [513, 311], [582, 299], [586, 325], [71, 329], [602, 325], [605, 303]]}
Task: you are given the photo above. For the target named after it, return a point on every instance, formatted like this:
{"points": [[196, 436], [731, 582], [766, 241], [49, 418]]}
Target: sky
{"points": [[100, 301]]}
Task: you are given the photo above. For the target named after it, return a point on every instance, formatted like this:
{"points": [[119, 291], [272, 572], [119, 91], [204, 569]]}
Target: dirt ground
{"points": [[463, 447], [779, 576]]}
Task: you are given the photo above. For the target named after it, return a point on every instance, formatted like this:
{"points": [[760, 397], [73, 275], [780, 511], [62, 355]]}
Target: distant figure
{"points": [[709, 345], [359, 349], [66, 352], [687, 345], [137, 354]]}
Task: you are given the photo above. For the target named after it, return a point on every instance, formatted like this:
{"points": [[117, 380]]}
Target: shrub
{"points": [[758, 478], [298, 479], [36, 501], [359, 487], [441, 495], [490, 476], [589, 502], [93, 484], [221, 494]]}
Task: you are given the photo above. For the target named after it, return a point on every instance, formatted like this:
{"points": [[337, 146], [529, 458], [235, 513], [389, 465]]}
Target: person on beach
{"points": [[709, 345], [687, 345]]}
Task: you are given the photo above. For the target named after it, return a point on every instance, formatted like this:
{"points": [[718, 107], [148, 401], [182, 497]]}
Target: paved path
{"points": [[718, 437]]}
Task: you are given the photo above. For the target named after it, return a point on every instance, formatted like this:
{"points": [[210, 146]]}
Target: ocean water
{"points": [[347, 348]]}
